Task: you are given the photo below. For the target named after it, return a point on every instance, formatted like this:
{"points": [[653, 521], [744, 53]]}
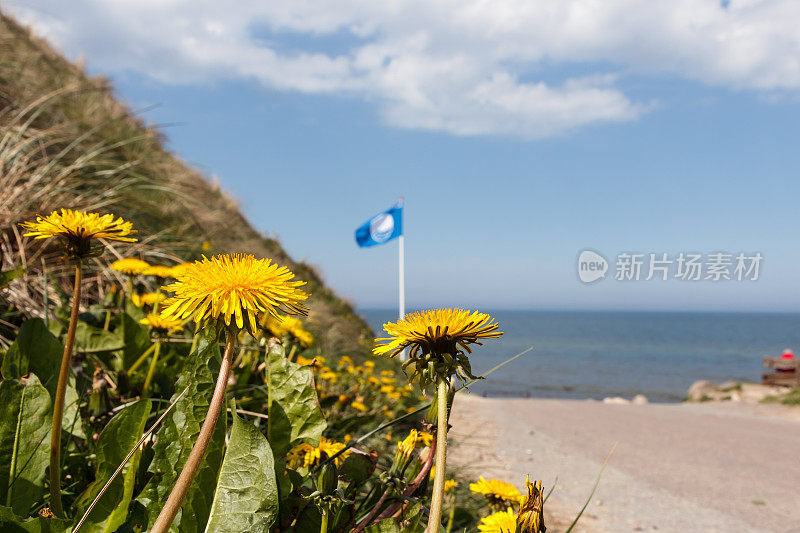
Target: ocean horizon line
{"points": [[491, 310]]}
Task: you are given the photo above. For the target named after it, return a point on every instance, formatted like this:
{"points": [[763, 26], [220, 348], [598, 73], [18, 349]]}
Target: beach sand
{"points": [[725, 467]]}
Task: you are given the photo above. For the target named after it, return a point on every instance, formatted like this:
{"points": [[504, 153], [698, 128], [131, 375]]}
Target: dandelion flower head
{"points": [[496, 491], [499, 522], [78, 228], [237, 289], [130, 266]]}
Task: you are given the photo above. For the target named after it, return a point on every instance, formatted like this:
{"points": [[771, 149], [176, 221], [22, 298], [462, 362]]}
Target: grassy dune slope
{"points": [[66, 142]]}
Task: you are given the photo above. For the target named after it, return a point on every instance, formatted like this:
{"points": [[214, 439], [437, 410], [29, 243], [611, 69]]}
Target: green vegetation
{"points": [[792, 397]]}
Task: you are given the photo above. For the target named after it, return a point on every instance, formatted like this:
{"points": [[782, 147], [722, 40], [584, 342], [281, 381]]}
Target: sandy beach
{"points": [[707, 467]]}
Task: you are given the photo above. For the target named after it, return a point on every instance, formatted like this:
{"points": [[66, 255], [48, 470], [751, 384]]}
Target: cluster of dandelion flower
{"points": [[288, 325], [502, 497], [438, 342]]}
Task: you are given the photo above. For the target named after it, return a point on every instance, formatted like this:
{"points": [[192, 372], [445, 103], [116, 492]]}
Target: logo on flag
{"points": [[381, 228]]}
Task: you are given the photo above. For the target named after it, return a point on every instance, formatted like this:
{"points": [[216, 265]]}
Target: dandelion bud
{"points": [[327, 479], [531, 510]]}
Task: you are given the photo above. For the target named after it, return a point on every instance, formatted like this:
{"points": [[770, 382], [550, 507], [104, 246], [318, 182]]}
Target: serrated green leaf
{"points": [[37, 350], [176, 438], [24, 442], [89, 339], [294, 414], [116, 440], [10, 523], [246, 498]]}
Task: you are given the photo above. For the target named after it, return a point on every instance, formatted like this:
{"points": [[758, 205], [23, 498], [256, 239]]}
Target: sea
{"points": [[599, 354]]}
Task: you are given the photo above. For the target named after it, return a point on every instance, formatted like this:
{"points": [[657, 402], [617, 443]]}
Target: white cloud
{"points": [[459, 66]]}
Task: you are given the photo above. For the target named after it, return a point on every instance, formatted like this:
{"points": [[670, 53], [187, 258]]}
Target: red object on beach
{"points": [[787, 355]]}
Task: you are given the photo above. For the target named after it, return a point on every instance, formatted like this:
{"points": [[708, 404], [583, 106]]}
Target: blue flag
{"points": [[381, 228]]}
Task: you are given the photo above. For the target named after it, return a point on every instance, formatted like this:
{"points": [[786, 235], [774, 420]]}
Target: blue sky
{"points": [[669, 145]]}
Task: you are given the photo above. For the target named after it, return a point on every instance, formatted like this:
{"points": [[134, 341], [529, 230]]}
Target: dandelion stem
{"points": [[151, 370], [435, 517], [450, 518], [192, 465], [142, 358], [58, 402], [323, 526]]}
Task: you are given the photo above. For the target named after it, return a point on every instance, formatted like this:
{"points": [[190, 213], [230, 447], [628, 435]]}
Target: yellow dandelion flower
{"points": [[499, 522], [387, 372], [291, 325], [359, 406], [274, 325], [369, 364], [343, 398], [159, 271], [305, 361], [438, 331], [426, 438], [372, 380], [305, 338], [386, 389], [305, 455], [235, 289], [148, 298], [130, 266], [288, 325], [329, 376], [531, 510], [206, 246], [406, 446], [345, 360], [161, 324], [78, 228], [177, 270], [388, 381], [496, 491], [450, 484]]}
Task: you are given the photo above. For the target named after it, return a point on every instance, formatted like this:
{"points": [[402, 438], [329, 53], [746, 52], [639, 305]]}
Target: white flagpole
{"points": [[402, 285], [401, 270]]}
